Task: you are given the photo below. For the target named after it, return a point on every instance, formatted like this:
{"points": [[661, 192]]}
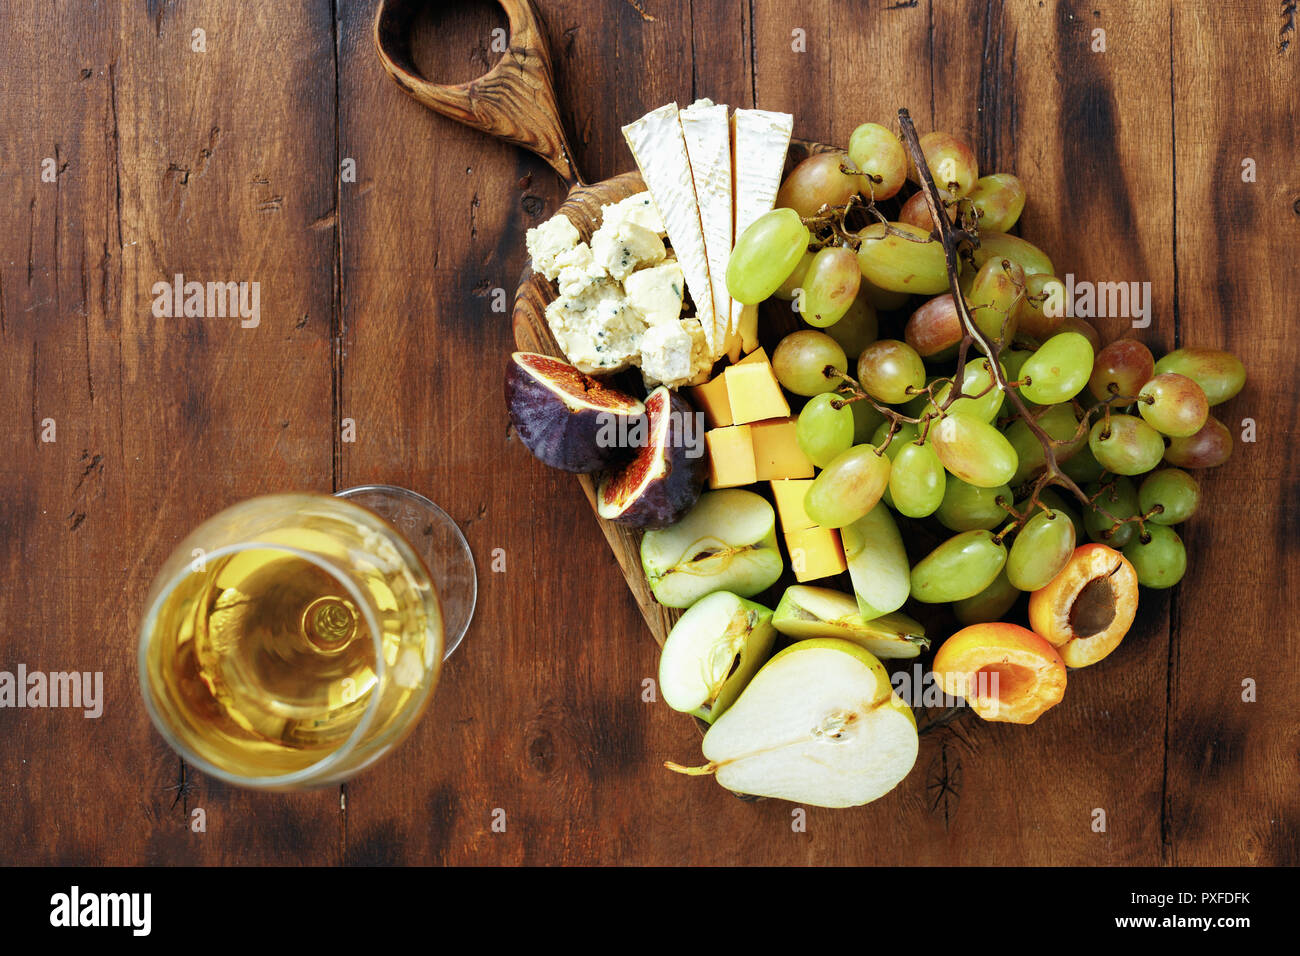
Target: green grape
{"points": [[881, 159], [1173, 405], [994, 298], [1057, 502], [920, 405], [1041, 550], [896, 264], [974, 451], [1043, 310], [1120, 498], [935, 329], [1172, 489], [968, 508], [960, 568], [888, 368], [1058, 370], [786, 290], [1158, 557], [975, 379], [1013, 360], [1220, 374], [883, 300], [824, 431], [952, 163], [765, 255], [830, 286], [1125, 364], [999, 199], [817, 181], [916, 481], [1126, 445], [907, 432], [1073, 324], [865, 421], [848, 488], [800, 361], [1208, 448], [857, 328], [990, 604], [1027, 255], [1083, 466], [1060, 423], [916, 211]]}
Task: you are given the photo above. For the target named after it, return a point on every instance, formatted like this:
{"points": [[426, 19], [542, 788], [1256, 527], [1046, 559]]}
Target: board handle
{"points": [[514, 101]]}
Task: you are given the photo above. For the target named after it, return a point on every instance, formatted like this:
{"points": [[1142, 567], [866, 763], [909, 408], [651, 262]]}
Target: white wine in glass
{"points": [[293, 639]]}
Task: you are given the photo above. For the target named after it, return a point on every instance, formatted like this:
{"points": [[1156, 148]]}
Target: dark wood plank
{"points": [[161, 422], [377, 305], [540, 700], [1231, 795], [1087, 132]]}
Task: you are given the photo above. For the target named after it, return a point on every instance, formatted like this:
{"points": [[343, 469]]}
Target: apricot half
{"points": [[1005, 672], [1085, 611]]}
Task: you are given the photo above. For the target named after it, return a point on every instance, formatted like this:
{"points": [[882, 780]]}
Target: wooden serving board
{"points": [[515, 101], [532, 334]]}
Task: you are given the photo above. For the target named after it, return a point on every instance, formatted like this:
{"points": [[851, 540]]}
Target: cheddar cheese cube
{"points": [[759, 355], [788, 496], [711, 399], [815, 553], [754, 393], [731, 456], [776, 451]]}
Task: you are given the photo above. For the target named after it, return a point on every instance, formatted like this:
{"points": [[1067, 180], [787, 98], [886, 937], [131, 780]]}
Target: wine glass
{"points": [[293, 639]]}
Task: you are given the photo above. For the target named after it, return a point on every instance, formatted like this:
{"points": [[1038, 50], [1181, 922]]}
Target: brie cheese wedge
{"points": [[708, 144], [760, 141], [659, 147]]}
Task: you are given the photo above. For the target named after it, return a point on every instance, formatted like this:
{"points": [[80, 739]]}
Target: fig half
{"points": [[666, 477], [566, 418]]}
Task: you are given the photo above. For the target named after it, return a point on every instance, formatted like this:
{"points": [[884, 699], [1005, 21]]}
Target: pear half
{"points": [[806, 611], [712, 652], [819, 725]]}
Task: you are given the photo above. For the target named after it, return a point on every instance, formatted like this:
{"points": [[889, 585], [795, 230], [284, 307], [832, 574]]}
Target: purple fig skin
{"points": [[672, 473], [559, 434]]}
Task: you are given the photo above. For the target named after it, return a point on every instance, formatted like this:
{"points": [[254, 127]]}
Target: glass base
{"points": [[438, 542]]}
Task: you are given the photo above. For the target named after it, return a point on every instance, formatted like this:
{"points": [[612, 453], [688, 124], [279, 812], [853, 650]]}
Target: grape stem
{"points": [[951, 237]]}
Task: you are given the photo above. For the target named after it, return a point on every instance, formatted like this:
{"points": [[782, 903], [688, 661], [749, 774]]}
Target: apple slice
{"points": [[807, 611], [819, 725], [878, 566], [727, 542], [712, 652]]}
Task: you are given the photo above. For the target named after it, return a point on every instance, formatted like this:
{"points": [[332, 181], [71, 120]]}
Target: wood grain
{"points": [[1230, 797], [513, 101], [380, 305], [161, 421]]}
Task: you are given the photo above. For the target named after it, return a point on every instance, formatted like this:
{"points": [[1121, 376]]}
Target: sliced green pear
{"points": [[807, 611], [727, 542], [878, 566], [712, 652], [818, 725]]}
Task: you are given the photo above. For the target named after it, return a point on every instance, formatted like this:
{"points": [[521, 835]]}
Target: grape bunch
{"points": [[984, 409]]}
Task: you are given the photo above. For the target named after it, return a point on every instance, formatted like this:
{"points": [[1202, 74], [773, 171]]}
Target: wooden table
{"points": [[382, 237]]}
